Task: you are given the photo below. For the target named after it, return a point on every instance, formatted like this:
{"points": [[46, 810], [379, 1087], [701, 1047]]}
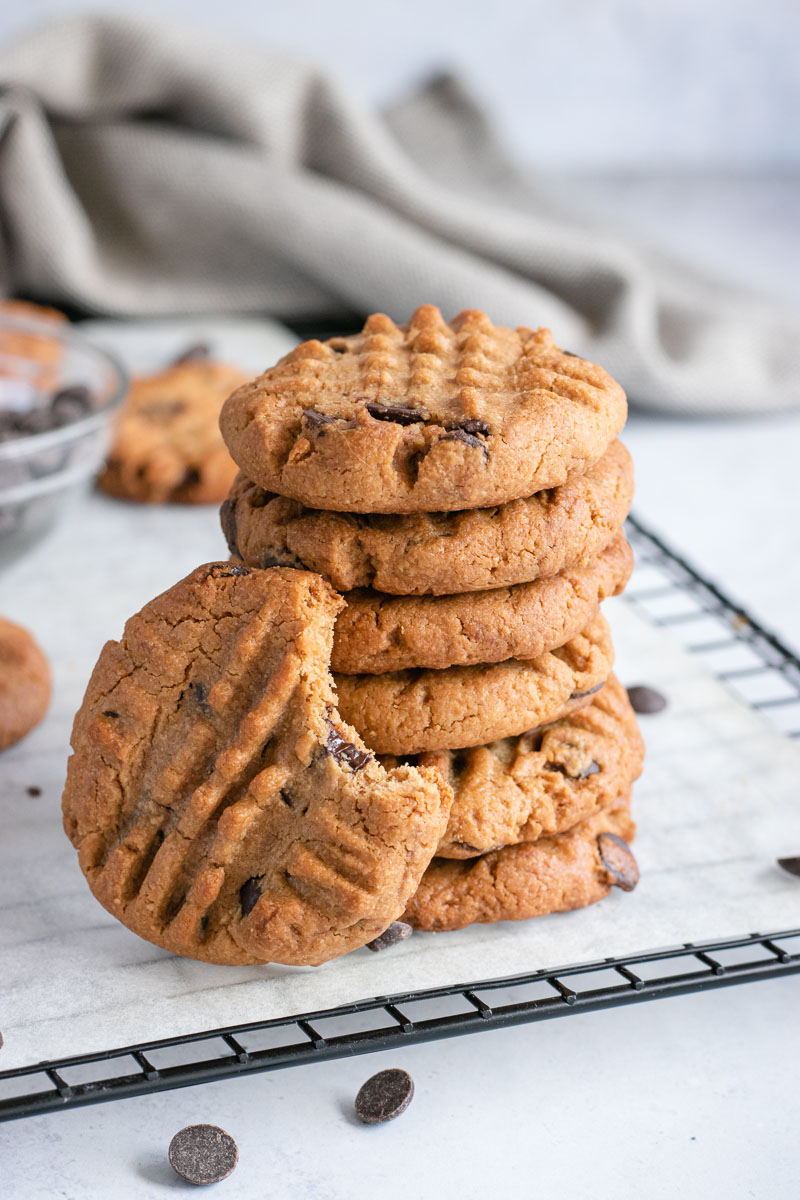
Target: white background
{"points": [[573, 83]]}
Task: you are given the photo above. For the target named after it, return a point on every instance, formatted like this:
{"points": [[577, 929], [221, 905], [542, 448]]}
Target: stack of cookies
{"points": [[462, 486]]}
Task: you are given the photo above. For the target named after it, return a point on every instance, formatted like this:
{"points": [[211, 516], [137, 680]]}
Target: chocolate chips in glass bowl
{"points": [[56, 411], [41, 414]]}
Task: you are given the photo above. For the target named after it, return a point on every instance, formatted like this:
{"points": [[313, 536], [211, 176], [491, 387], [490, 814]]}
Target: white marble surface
{"points": [[693, 1096]]}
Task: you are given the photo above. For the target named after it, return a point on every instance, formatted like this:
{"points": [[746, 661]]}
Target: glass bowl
{"points": [[42, 473]]}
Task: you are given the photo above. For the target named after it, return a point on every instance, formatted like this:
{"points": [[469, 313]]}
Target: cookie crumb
{"points": [[33, 790]]}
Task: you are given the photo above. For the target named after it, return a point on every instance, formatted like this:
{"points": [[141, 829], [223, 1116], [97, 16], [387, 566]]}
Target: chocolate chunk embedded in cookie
{"points": [[436, 553], [25, 683], [407, 712], [423, 417], [378, 633], [220, 805], [566, 871], [167, 447]]}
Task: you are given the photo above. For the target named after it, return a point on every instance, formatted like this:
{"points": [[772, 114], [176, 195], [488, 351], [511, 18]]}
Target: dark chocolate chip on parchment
{"points": [[792, 865], [384, 1096], [203, 1154], [645, 699]]}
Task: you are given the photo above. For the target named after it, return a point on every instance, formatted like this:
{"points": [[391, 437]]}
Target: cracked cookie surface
{"points": [[555, 874], [220, 806], [408, 712], [423, 417], [436, 553], [167, 446], [377, 633], [541, 783], [25, 683]]}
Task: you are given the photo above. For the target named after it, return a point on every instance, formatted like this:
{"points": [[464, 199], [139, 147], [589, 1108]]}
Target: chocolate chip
{"points": [[400, 414], [397, 932], [249, 893], [203, 1154], [191, 477], [570, 354], [590, 692], [468, 439], [472, 425], [345, 752], [315, 420], [70, 404], [227, 519], [226, 571], [109, 712], [199, 352], [34, 791], [272, 560], [592, 769], [646, 699], [200, 696], [618, 861], [792, 865], [384, 1096]]}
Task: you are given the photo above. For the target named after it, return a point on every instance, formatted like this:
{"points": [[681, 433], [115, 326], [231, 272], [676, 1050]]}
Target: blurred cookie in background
{"points": [[29, 354], [25, 683], [167, 447]]}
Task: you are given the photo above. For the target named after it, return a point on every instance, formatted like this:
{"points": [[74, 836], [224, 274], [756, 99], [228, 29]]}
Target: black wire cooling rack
{"points": [[740, 652]]}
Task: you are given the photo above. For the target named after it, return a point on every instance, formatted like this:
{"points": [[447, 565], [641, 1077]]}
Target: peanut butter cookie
{"points": [[167, 447], [436, 553], [556, 874], [424, 417], [220, 806]]}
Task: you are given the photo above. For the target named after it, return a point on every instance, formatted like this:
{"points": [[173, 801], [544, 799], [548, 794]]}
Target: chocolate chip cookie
{"points": [[220, 805], [167, 447], [423, 417], [25, 683], [378, 633], [408, 712], [556, 874], [436, 553], [541, 783]]}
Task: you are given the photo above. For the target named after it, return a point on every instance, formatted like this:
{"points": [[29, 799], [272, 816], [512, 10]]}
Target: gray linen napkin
{"points": [[156, 168]]}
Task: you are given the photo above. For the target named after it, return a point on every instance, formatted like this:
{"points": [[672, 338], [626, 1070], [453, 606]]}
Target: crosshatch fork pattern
{"points": [[742, 654]]}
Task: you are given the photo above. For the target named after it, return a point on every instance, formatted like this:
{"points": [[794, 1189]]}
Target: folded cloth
{"points": [[153, 168]]}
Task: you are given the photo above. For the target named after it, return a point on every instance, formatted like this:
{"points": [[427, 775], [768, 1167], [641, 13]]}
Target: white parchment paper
{"points": [[718, 802]]}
